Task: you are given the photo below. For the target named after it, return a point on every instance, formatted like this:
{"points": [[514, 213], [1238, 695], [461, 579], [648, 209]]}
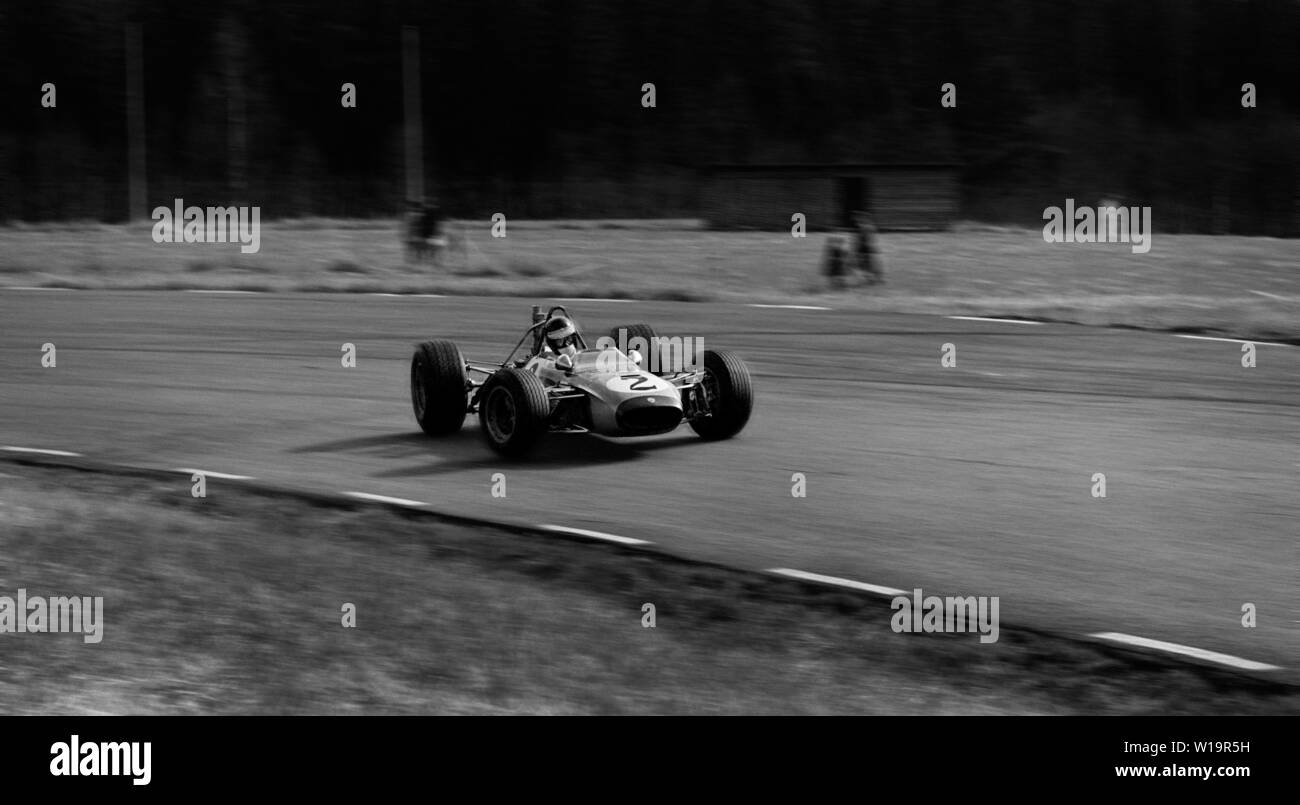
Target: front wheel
{"points": [[729, 394], [513, 409]]}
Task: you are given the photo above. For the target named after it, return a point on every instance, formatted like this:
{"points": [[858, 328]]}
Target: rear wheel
{"points": [[730, 395], [438, 387], [640, 331], [513, 409]]}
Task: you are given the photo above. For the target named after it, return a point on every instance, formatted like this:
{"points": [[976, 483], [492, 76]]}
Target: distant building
{"points": [[898, 196]]}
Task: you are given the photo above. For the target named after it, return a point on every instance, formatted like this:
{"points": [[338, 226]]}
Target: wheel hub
{"points": [[501, 415]]}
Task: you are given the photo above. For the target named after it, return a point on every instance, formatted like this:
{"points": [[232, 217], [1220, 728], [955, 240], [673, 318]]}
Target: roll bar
{"points": [[536, 331]]}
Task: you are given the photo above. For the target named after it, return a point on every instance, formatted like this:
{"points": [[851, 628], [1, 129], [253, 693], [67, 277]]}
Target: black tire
{"points": [[438, 387], [513, 409], [643, 331], [731, 396]]}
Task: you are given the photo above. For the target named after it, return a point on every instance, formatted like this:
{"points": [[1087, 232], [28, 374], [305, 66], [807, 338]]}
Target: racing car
{"points": [[598, 389]]}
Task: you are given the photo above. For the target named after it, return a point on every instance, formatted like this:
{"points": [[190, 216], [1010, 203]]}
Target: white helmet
{"points": [[560, 333]]}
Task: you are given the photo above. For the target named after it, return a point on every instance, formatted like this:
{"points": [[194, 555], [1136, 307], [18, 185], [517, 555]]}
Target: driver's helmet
{"points": [[560, 333]]}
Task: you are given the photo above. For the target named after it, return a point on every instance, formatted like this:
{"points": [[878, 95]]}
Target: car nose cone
{"points": [[648, 415]]}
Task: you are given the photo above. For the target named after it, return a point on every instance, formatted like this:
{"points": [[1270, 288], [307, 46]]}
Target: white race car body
{"points": [[620, 398], [581, 390]]}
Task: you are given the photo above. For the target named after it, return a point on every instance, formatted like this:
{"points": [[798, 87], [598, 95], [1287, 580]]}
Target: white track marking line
{"points": [[39, 450], [582, 532], [384, 499], [791, 307], [204, 290], [855, 585], [34, 288], [1272, 295], [999, 321], [1231, 340], [1186, 651], [210, 474]]}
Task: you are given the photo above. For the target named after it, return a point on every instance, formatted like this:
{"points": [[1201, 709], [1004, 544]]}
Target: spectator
{"points": [[834, 264], [867, 248], [423, 229]]}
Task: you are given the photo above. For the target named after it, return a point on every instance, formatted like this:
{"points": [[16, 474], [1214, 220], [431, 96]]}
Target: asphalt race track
{"points": [[973, 480]]}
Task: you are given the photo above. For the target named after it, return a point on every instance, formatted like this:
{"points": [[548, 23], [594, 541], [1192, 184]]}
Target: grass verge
{"points": [[1235, 286], [231, 604]]}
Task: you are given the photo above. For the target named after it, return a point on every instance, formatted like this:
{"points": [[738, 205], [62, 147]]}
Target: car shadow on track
{"points": [[388, 445], [466, 450]]}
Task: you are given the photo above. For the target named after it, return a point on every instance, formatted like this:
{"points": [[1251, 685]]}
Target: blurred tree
{"points": [[535, 104]]}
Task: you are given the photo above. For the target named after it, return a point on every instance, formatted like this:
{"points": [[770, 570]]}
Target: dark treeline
{"points": [[535, 107]]}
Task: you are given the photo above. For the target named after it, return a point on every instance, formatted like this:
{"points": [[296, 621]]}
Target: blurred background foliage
{"points": [[537, 105]]}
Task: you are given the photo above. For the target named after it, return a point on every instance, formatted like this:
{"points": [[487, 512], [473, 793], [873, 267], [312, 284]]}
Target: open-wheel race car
{"points": [[562, 385]]}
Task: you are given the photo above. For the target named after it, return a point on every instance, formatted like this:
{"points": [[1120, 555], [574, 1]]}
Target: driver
{"points": [[560, 337]]}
